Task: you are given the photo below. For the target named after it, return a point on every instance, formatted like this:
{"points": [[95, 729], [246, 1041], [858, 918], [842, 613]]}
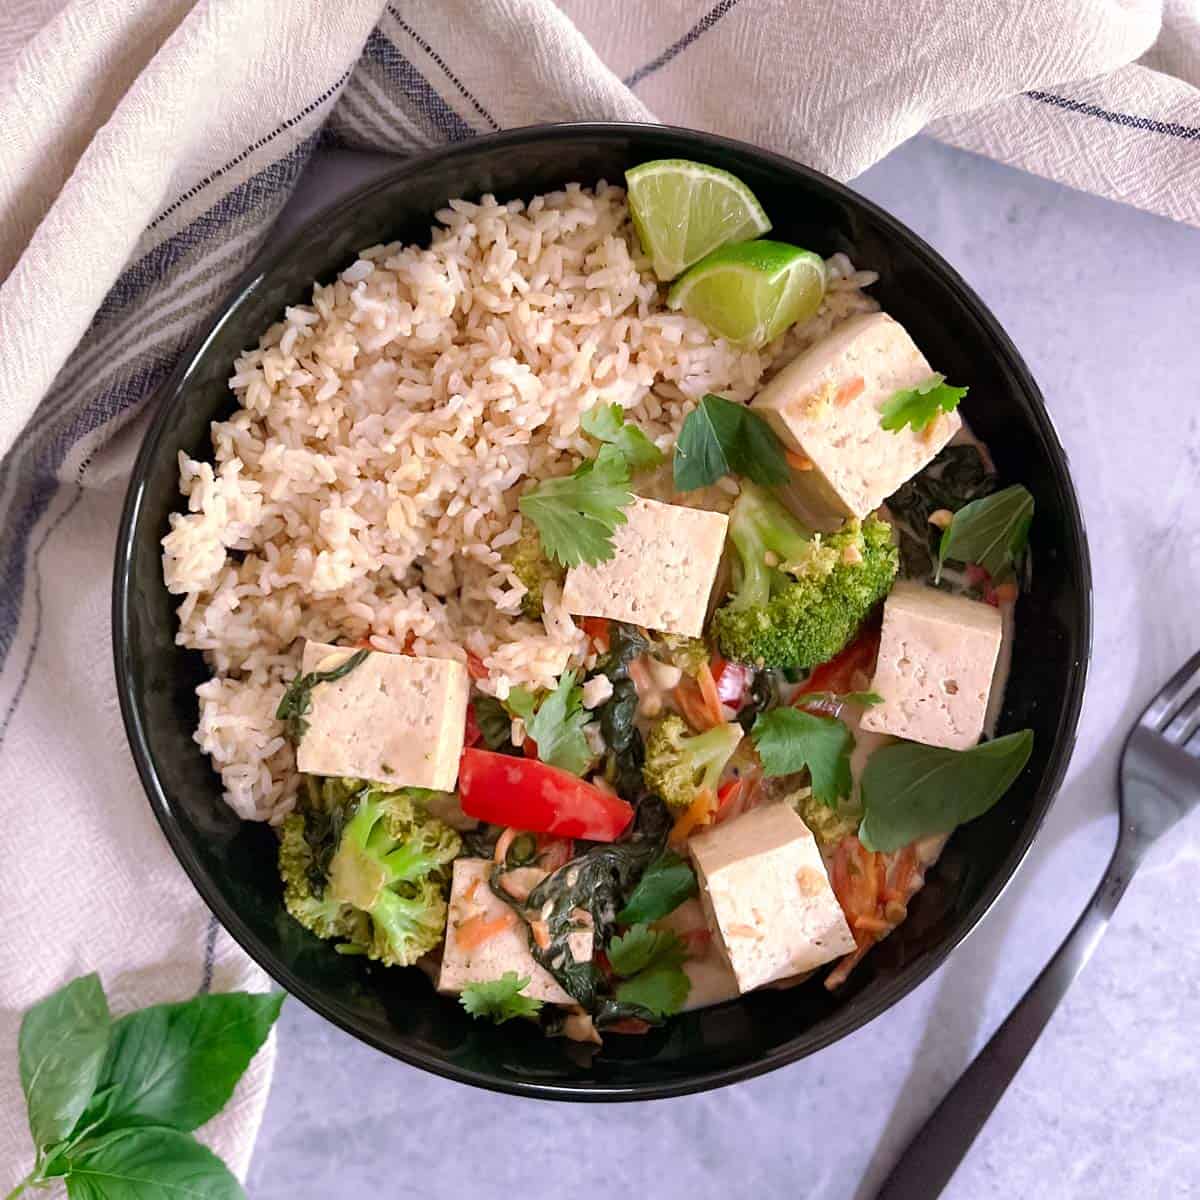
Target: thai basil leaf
{"points": [[60, 1053], [137, 1164], [911, 791], [991, 532]]}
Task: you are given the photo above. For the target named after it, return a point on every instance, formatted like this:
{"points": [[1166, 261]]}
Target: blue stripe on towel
{"points": [[696, 32], [416, 90], [45, 443]]}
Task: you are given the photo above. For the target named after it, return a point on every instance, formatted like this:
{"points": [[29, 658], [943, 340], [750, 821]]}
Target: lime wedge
{"points": [[684, 210], [752, 292]]}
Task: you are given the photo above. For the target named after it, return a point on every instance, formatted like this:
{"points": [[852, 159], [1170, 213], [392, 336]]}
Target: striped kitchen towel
{"points": [[146, 146]]}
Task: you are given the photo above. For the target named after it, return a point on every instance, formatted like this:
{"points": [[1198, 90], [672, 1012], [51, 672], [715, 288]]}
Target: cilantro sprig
{"points": [[720, 437], [577, 514], [790, 740], [650, 964], [918, 406], [500, 1000], [606, 423], [557, 723]]}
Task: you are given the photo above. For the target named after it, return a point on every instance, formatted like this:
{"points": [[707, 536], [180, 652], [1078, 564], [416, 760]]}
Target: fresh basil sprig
{"points": [[112, 1103], [911, 791], [720, 437], [296, 703], [991, 532]]}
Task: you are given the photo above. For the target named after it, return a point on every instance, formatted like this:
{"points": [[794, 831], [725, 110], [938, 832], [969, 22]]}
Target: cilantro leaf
{"points": [[665, 884], [642, 947], [650, 963], [992, 532], [720, 437], [499, 1000], [916, 407], [606, 423], [789, 739], [661, 991], [576, 514], [911, 791], [557, 724]]}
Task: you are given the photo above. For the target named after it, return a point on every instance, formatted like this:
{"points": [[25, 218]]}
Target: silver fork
{"points": [[1159, 784]]}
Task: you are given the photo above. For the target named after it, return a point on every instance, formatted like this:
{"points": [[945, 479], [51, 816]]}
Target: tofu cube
{"points": [[472, 901], [768, 899], [818, 409], [393, 719], [661, 574], [937, 655]]}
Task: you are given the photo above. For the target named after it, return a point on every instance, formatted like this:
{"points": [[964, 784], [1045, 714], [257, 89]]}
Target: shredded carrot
{"points": [[798, 461], [640, 674], [470, 889], [1005, 592], [848, 390], [475, 930], [709, 695], [692, 705], [871, 924], [699, 812], [475, 667], [597, 629], [541, 934], [502, 844]]}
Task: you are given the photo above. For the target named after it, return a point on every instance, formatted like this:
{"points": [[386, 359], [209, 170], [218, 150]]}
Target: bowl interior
{"points": [[232, 863]]}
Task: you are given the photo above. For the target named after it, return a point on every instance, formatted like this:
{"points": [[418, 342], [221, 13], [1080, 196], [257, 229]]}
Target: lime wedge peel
{"points": [[684, 210], [751, 292]]}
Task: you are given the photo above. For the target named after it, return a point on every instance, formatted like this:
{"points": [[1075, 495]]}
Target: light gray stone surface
{"points": [[1104, 303]]}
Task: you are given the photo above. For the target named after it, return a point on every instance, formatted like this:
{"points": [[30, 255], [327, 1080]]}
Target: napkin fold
{"points": [[146, 147]]}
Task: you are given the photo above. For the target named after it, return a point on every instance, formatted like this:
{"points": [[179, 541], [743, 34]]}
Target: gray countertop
{"points": [[1103, 302]]}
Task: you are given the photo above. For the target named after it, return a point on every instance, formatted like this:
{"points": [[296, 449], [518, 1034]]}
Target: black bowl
{"points": [[232, 864]]}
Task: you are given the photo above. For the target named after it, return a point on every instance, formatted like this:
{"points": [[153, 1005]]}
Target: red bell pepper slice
{"points": [[837, 675], [532, 796]]}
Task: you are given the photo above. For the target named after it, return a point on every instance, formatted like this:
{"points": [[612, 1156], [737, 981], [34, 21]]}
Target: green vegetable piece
{"points": [[607, 423], [557, 723], [668, 881], [798, 597], [911, 791], [370, 869], [60, 1052], [532, 568], [134, 1164], [644, 947], [862, 699], [789, 739], [991, 532], [720, 437], [177, 1064], [576, 514], [650, 963], [679, 765], [493, 720], [500, 1000], [829, 824], [296, 703], [661, 991], [917, 407]]}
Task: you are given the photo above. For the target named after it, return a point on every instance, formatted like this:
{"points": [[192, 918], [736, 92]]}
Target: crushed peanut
{"points": [[941, 518]]}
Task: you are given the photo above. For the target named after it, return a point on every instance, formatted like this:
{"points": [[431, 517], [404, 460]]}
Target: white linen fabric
{"points": [[146, 146]]}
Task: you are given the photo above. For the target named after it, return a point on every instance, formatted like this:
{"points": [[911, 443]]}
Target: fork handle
{"points": [[933, 1155]]}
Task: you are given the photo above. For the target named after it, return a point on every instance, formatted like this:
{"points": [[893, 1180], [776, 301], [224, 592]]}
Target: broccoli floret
{"points": [[369, 868], [679, 766], [688, 654], [829, 825], [798, 598], [532, 568]]}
